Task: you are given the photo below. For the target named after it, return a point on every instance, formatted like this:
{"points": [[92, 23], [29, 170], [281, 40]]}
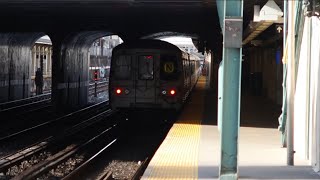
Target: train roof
{"points": [[147, 44], [153, 44]]}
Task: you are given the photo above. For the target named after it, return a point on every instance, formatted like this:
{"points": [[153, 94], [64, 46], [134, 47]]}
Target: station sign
{"points": [[233, 29], [279, 28], [168, 67]]}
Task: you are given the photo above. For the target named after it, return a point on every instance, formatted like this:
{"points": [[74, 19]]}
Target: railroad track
{"points": [[107, 175], [99, 86], [32, 103], [18, 121], [131, 154], [27, 107], [58, 146], [12, 105], [59, 157], [32, 134], [32, 110]]}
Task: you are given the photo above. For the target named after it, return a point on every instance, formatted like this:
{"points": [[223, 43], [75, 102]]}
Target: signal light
{"points": [[149, 57], [95, 75], [118, 91], [172, 92]]}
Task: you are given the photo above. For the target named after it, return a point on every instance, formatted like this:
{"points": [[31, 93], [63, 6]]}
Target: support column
{"points": [[230, 13], [50, 61], [70, 69], [34, 61], [69, 76], [15, 65], [46, 58], [38, 57], [291, 81]]}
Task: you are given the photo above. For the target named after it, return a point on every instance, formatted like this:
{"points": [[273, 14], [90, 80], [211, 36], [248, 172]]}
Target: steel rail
{"points": [[11, 104], [141, 169], [75, 173], [27, 106], [59, 157], [13, 159], [105, 176], [69, 116]]}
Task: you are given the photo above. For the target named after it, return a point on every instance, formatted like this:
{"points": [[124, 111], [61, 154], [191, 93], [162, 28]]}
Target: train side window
{"points": [[146, 67], [169, 67], [192, 67], [185, 68], [123, 67]]}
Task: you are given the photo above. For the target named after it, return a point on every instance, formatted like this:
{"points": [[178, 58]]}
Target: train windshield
{"points": [[146, 67], [122, 67], [169, 67]]}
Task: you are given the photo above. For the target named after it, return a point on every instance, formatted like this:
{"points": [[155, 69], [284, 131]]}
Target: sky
{"points": [[45, 37], [178, 40], [173, 40]]}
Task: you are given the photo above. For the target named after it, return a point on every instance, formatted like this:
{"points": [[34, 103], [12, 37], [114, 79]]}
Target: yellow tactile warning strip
{"points": [[177, 157]]}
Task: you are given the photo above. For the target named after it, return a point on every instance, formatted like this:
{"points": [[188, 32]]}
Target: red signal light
{"points": [[172, 92], [118, 91], [95, 76]]}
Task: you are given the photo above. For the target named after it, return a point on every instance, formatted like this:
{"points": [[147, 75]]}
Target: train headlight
{"points": [[118, 91], [172, 92], [164, 92]]}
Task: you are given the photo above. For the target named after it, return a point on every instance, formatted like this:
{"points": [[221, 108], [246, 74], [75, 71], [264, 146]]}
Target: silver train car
{"points": [[151, 74]]}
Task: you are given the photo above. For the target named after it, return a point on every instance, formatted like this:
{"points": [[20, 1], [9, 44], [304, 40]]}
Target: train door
{"points": [[186, 69], [145, 79]]}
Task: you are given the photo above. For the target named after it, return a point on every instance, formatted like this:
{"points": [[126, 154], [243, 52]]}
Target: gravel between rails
{"points": [[140, 140]]}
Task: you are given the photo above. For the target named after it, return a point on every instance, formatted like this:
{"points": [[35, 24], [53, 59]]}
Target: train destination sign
{"points": [[168, 67]]}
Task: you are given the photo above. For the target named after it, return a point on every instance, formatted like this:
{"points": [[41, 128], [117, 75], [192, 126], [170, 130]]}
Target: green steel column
{"points": [[291, 82], [221, 11], [283, 116], [220, 94], [231, 82], [220, 8]]}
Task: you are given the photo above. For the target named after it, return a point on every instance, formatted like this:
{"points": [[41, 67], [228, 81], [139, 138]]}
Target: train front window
{"points": [[146, 67], [168, 70], [123, 67]]}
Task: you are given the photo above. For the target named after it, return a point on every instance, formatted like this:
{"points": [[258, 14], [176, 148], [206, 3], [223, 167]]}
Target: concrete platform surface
{"points": [[191, 149], [260, 156]]}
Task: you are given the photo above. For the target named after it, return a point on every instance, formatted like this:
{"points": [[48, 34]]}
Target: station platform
{"points": [[191, 149]]}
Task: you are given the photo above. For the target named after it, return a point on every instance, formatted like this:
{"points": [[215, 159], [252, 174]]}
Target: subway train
{"points": [[151, 74]]}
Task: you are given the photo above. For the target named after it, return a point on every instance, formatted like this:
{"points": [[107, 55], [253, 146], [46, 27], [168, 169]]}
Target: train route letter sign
{"points": [[168, 67]]}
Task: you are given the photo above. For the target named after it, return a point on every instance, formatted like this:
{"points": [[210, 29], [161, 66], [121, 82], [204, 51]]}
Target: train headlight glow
{"points": [[172, 92], [118, 91]]}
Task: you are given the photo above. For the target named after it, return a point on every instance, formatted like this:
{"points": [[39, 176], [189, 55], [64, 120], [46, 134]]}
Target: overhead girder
{"points": [[169, 34], [196, 40], [128, 19]]}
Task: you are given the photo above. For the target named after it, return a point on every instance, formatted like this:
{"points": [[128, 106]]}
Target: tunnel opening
{"points": [[41, 66], [15, 71], [173, 38], [70, 70], [99, 67], [185, 43]]}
